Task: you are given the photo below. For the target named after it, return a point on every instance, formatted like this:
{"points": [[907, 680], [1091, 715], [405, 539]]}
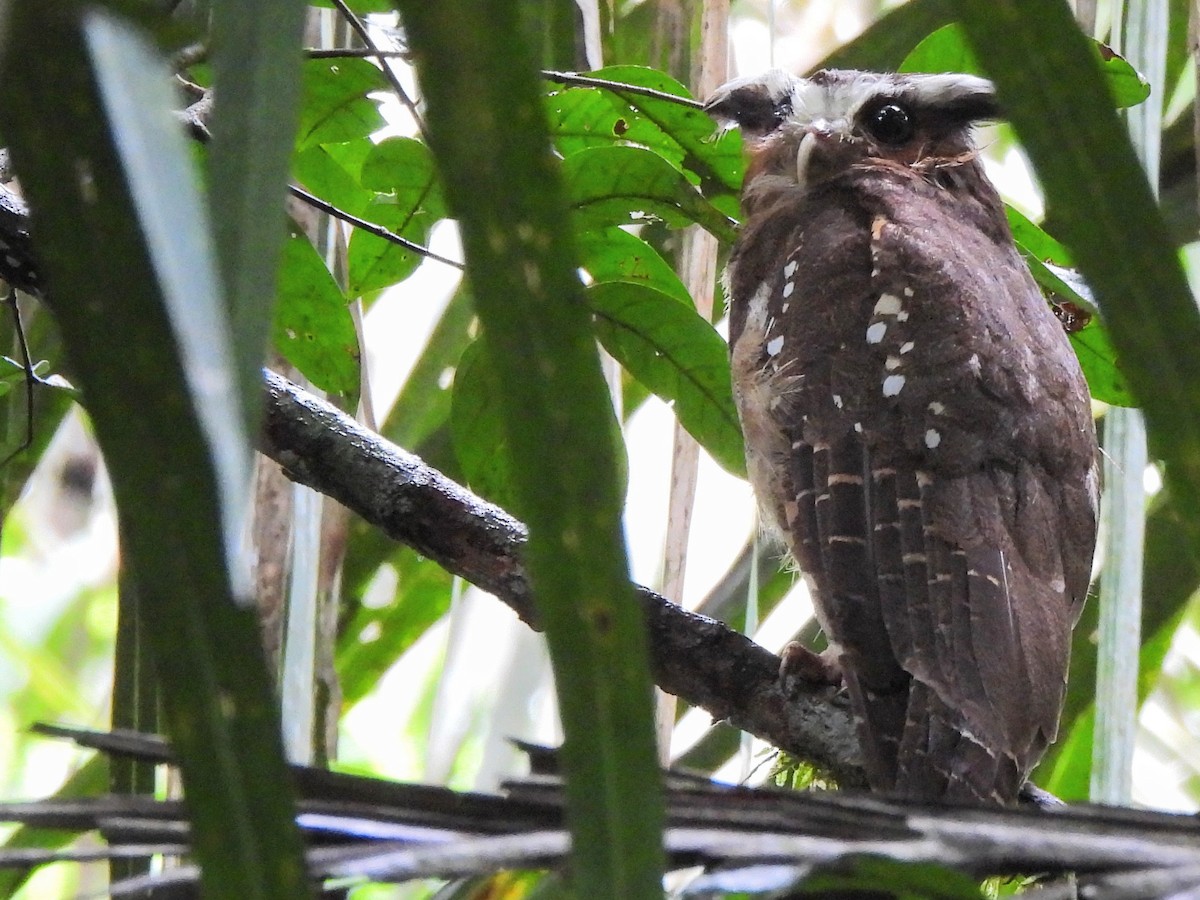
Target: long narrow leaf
{"points": [[673, 351], [256, 70], [487, 128], [133, 284]]}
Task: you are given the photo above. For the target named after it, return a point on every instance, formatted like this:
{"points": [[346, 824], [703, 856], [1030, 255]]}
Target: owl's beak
{"points": [[813, 156]]}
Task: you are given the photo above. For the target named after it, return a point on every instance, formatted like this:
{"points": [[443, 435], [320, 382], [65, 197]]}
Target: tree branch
{"points": [[699, 659], [696, 658]]}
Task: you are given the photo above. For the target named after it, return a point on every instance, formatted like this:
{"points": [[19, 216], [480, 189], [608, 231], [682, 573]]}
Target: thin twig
{"points": [[360, 27], [195, 117], [355, 53], [31, 379], [198, 53], [370, 227], [576, 80]]}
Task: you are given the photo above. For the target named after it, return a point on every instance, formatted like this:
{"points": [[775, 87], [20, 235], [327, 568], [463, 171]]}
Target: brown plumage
{"points": [[918, 429]]}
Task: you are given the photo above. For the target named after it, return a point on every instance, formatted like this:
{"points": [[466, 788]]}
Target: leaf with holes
{"points": [[410, 203], [583, 117], [336, 106], [312, 327], [668, 347]]}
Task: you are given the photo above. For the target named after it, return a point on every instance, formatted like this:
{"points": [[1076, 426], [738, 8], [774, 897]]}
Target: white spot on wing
{"points": [[908, 292], [902, 316], [788, 288], [887, 305], [892, 363], [876, 332], [932, 438], [858, 427], [756, 313], [790, 269], [893, 385], [907, 346], [837, 400], [937, 408], [775, 345]]}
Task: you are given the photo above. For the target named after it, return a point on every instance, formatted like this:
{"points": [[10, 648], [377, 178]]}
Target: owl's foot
{"points": [[797, 661]]}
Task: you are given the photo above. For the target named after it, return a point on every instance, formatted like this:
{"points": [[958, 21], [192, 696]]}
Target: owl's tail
{"points": [[938, 756]]}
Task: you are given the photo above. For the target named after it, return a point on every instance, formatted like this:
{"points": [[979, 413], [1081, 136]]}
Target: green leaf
{"points": [[1091, 340], [477, 430], [947, 50], [90, 780], [424, 402], [377, 636], [486, 126], [1128, 86], [313, 328], [1105, 213], [362, 7], [336, 106], [583, 117], [333, 172], [479, 437], [1033, 241], [122, 230], [418, 421], [613, 254], [52, 398], [375, 262], [402, 170], [891, 37], [674, 352], [256, 69], [629, 185], [900, 880], [1098, 358]]}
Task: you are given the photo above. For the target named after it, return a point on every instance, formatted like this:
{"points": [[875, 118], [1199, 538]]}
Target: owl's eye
{"points": [[890, 124]]}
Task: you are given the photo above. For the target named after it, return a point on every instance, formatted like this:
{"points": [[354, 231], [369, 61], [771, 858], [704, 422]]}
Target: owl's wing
{"points": [[938, 448]]}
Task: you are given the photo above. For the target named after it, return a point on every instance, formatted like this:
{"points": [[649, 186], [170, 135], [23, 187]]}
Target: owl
{"points": [[918, 430]]}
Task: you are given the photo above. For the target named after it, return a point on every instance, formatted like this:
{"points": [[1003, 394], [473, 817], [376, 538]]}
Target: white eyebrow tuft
{"points": [[839, 96], [948, 88]]}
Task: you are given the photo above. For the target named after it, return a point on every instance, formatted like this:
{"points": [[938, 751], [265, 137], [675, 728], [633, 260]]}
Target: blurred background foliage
{"points": [[390, 665]]}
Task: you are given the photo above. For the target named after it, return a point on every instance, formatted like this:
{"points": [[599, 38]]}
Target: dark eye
{"points": [[890, 124]]}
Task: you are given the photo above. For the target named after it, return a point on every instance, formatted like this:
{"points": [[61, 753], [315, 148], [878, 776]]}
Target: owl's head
{"points": [[802, 131]]}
